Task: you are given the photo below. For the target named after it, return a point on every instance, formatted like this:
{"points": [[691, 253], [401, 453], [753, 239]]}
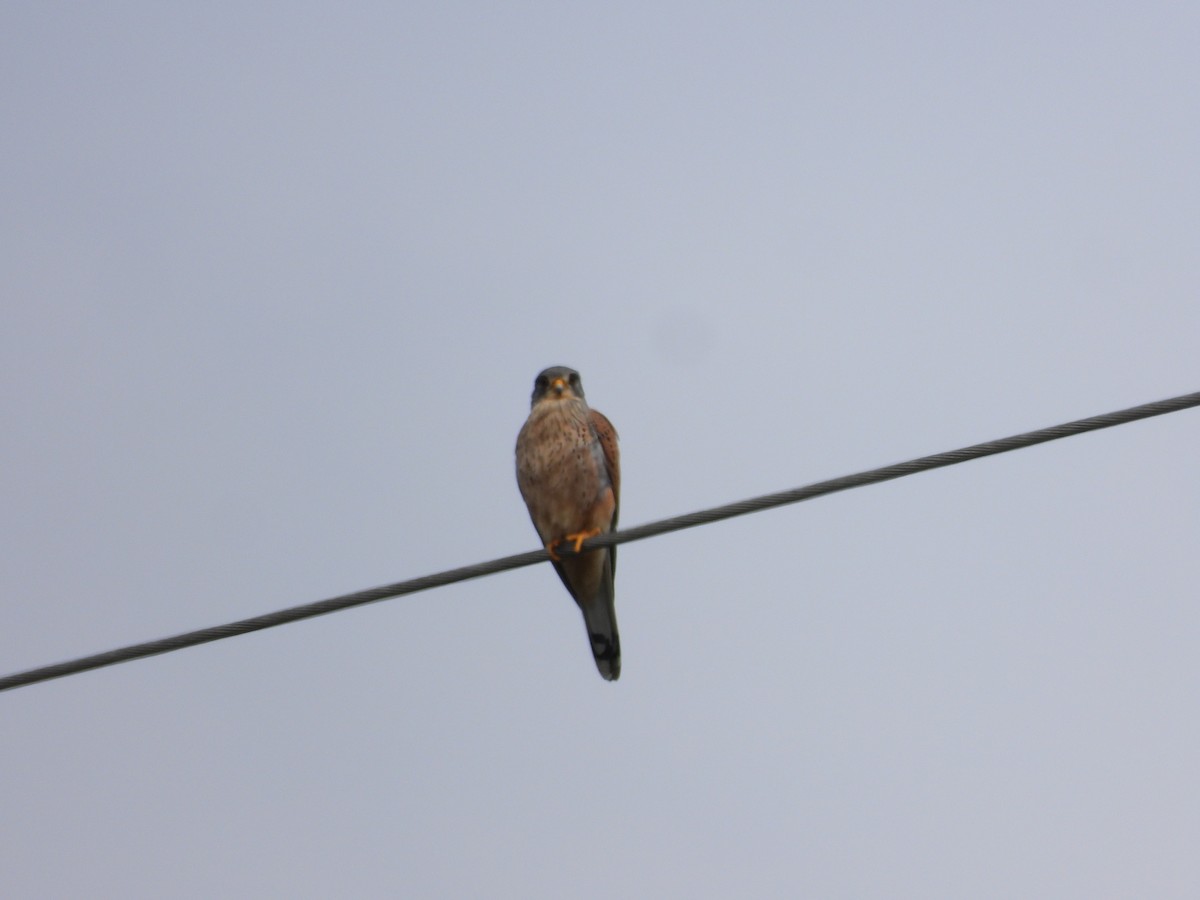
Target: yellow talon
{"points": [[577, 539], [580, 537]]}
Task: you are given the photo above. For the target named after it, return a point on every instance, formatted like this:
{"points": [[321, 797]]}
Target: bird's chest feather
{"points": [[560, 465]]}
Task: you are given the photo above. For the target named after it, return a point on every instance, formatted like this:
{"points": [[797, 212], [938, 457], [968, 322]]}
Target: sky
{"points": [[277, 279]]}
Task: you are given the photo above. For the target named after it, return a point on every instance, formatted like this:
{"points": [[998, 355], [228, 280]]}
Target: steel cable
{"points": [[637, 533]]}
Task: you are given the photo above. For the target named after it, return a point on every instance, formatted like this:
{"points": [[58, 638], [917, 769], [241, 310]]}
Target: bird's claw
{"points": [[577, 539]]}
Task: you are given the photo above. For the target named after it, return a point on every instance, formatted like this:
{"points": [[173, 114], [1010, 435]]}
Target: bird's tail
{"points": [[600, 617]]}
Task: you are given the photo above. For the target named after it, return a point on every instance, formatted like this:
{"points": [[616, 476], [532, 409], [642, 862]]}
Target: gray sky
{"points": [[277, 281]]}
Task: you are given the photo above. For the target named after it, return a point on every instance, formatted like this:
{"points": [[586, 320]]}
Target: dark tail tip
{"points": [[608, 655]]}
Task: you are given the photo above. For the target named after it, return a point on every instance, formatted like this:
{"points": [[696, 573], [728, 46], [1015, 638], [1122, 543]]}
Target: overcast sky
{"points": [[277, 279]]}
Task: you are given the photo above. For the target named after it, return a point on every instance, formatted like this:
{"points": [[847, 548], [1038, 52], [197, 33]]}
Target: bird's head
{"points": [[557, 383]]}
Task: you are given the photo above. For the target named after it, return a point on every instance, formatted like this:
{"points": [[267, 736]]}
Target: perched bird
{"points": [[569, 472]]}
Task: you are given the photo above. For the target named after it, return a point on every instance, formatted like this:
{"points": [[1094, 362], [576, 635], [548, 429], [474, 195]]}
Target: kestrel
{"points": [[569, 472]]}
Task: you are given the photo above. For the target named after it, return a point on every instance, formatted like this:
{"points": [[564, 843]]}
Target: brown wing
{"points": [[612, 464], [612, 455]]}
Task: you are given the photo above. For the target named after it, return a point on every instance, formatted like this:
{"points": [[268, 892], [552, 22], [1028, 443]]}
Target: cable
{"points": [[677, 523]]}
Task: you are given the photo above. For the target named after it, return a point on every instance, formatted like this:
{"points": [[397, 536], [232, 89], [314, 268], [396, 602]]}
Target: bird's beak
{"points": [[558, 385]]}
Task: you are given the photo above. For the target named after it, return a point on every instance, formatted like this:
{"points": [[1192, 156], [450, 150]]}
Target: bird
{"points": [[569, 474]]}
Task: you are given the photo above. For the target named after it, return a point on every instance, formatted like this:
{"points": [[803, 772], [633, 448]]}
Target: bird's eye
{"points": [[541, 381], [575, 378]]}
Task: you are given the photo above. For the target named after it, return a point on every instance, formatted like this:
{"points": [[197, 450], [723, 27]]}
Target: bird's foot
{"points": [[577, 539]]}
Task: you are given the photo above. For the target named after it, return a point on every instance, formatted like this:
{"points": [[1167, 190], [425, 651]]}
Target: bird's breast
{"points": [[560, 467]]}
